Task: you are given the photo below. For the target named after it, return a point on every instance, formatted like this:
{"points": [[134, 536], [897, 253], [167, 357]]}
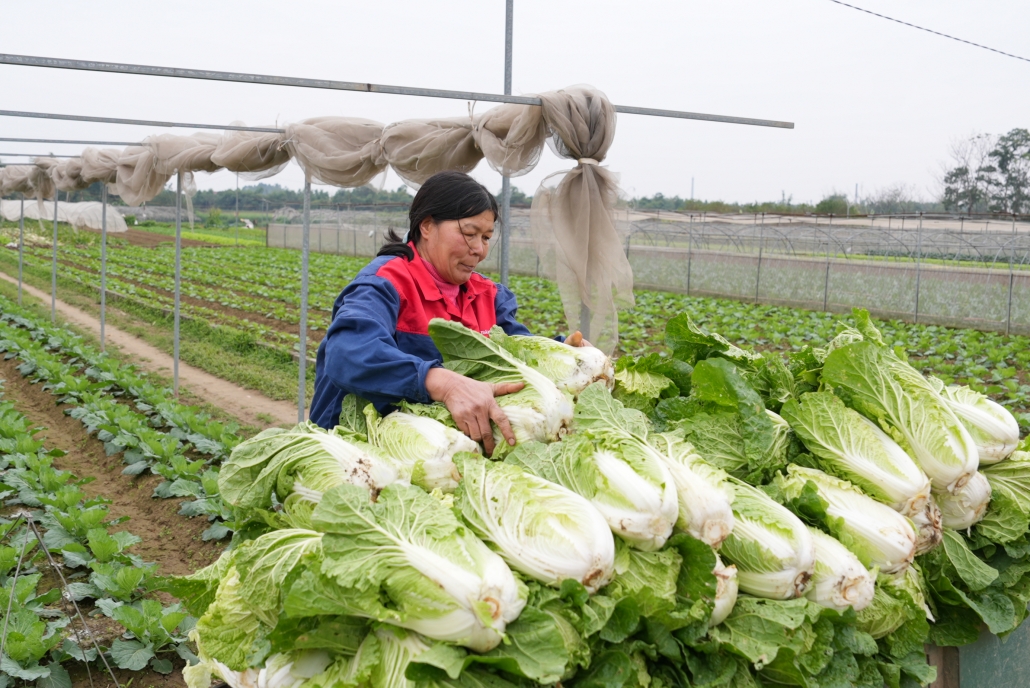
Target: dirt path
{"points": [[244, 404]]}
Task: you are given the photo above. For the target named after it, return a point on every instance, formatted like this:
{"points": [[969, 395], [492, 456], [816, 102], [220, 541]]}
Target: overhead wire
{"points": [[936, 33]]}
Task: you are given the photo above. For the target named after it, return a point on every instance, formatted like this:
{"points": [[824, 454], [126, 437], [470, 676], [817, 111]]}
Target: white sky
{"points": [[874, 102]]}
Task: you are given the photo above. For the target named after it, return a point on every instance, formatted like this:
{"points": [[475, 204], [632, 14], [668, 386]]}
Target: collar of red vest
{"points": [[477, 284]]}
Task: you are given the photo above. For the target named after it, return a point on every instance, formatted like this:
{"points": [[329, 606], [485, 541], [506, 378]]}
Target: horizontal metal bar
{"points": [[240, 77], [651, 112], [135, 122], [35, 155], [88, 143]]}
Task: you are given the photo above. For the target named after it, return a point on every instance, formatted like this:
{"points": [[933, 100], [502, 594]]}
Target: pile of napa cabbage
{"points": [[702, 516]]}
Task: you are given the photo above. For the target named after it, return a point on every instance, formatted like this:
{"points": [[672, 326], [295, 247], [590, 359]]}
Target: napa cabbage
{"points": [[994, 429], [571, 368], [853, 448], [297, 466], [840, 580], [610, 462], [539, 411], [967, 505], [282, 670], [882, 387], [878, 535], [771, 548], [546, 531], [422, 448], [726, 588], [631, 489], [703, 490], [407, 560]]}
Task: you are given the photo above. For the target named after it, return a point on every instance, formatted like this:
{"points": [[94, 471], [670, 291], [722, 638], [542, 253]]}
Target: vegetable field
{"points": [[254, 293], [695, 512]]}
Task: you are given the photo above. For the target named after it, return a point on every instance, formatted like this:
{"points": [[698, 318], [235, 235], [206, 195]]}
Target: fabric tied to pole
{"points": [[573, 221], [573, 216]]}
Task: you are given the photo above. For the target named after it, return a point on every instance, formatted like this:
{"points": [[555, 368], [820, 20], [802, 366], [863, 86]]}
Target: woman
{"points": [[378, 344]]}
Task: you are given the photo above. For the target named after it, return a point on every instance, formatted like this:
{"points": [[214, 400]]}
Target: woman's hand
{"points": [[576, 339], [472, 404]]}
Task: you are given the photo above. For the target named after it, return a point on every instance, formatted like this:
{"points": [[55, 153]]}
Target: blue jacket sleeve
{"points": [[361, 353], [506, 308]]}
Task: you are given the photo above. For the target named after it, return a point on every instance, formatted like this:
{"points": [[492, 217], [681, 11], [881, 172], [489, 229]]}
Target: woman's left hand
{"points": [[576, 339]]}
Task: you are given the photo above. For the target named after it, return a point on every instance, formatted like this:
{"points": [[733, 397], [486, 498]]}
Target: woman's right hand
{"points": [[473, 404]]}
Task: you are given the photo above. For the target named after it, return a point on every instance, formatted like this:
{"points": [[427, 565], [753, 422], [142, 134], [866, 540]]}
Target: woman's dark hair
{"points": [[446, 195]]}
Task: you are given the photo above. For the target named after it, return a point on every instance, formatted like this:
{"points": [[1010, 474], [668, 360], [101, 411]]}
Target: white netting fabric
{"points": [[100, 165], [251, 154], [341, 151], [572, 218]]}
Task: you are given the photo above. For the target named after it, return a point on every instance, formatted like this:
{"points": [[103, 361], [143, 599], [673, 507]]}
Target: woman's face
{"points": [[456, 247]]}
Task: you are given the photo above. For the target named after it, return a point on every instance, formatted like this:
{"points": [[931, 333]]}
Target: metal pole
{"points": [[21, 246], [690, 249], [826, 280], [53, 267], [919, 260], [237, 210], [177, 72], [1008, 318], [302, 376], [506, 181], [178, 278], [103, 263], [761, 245]]}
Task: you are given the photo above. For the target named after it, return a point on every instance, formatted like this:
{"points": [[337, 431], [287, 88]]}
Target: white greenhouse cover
{"points": [[85, 215]]}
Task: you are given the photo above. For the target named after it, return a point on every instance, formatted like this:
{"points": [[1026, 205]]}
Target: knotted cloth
{"points": [[572, 219]]}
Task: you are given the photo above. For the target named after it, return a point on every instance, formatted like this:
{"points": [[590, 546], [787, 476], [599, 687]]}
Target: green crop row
{"points": [[78, 557], [266, 282]]}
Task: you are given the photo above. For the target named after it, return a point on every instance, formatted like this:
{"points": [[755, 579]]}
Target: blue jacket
{"points": [[378, 345]]}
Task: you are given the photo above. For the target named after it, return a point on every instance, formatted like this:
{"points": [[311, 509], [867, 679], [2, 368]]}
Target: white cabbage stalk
{"points": [[928, 523], [283, 670], [422, 448], [878, 535], [641, 509], [542, 529], [853, 448], [725, 591], [994, 429], [571, 368], [539, 411], [967, 505], [704, 493], [840, 580], [771, 547]]}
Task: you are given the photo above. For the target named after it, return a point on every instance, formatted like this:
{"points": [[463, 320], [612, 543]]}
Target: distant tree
{"points": [[896, 198], [1009, 171], [988, 174], [834, 204], [966, 178]]}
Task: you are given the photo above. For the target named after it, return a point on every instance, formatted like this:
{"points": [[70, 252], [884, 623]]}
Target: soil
{"points": [[171, 541], [239, 402]]}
